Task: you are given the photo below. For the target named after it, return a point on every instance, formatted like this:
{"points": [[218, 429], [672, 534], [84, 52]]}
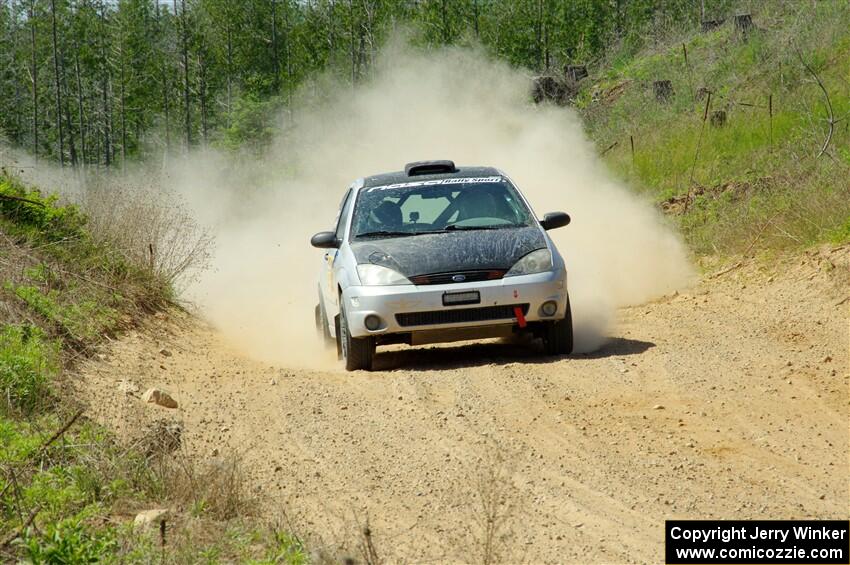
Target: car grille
{"points": [[459, 315], [468, 276]]}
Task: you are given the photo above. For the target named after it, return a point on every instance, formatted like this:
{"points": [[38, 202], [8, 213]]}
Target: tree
{"points": [[57, 83]]}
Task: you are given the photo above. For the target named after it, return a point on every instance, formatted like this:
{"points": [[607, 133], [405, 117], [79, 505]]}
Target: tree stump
{"points": [[718, 118], [744, 24], [576, 72], [663, 90], [708, 25], [552, 89]]}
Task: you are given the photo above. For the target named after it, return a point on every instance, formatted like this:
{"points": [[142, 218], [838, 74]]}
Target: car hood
{"points": [[450, 251]]}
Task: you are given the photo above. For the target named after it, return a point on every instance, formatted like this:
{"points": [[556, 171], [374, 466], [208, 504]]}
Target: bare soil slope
{"points": [[727, 401]]}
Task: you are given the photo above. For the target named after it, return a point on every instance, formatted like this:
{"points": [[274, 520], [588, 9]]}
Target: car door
{"points": [[329, 283]]}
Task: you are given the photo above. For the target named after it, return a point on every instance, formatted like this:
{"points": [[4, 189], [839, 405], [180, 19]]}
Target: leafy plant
{"points": [[37, 215], [28, 363], [69, 542]]}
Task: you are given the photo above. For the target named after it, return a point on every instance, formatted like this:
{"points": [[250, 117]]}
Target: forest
{"points": [[99, 82]]}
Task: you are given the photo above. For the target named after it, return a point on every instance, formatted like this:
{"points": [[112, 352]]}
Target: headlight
{"points": [[375, 275], [538, 261]]}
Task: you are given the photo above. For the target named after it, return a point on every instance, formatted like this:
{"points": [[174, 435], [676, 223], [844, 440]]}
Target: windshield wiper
{"points": [[384, 233], [387, 233], [455, 227]]}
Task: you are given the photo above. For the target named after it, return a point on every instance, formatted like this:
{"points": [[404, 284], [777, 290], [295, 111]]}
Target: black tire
{"points": [[558, 336], [336, 339], [322, 325], [357, 352]]}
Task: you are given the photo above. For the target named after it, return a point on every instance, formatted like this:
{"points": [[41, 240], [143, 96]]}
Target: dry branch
{"points": [[59, 433], [696, 152], [726, 270], [8, 541], [20, 199], [831, 115], [609, 148]]}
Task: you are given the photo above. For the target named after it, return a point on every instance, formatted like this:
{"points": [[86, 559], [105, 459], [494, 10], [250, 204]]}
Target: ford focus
{"points": [[438, 253]]}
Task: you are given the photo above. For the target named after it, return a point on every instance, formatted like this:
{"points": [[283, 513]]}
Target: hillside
{"points": [[776, 174]]}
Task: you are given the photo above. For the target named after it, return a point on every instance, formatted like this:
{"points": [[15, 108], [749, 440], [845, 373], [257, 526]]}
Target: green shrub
{"points": [[286, 549], [28, 363], [70, 542], [44, 217]]}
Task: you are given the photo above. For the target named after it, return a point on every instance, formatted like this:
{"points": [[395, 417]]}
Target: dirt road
{"points": [[729, 400]]}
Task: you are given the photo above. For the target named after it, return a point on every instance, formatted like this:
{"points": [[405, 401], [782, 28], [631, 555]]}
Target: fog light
{"points": [[372, 322], [549, 308]]}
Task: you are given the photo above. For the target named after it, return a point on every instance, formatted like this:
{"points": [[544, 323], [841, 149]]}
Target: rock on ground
{"points": [[159, 397]]}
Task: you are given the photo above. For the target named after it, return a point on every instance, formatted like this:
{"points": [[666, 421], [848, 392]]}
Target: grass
{"points": [[756, 183], [28, 364]]}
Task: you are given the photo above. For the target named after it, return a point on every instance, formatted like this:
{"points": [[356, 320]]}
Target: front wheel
{"points": [[558, 335], [357, 352]]}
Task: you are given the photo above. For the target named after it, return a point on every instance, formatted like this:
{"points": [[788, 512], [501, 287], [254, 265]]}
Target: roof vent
{"points": [[429, 168]]}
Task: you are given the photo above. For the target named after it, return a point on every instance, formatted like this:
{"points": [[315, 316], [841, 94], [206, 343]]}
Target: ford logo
{"points": [[458, 278]]}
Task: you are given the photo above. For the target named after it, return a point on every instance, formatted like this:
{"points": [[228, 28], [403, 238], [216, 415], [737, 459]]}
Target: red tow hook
{"points": [[520, 317]]}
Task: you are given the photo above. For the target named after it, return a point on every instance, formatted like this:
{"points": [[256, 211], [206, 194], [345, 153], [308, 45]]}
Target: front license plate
{"points": [[466, 297]]}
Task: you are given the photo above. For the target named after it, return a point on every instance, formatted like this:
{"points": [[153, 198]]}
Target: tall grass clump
{"points": [[28, 364]]}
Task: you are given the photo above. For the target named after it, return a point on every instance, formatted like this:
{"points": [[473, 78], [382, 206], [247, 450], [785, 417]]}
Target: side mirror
{"points": [[554, 220], [324, 240]]}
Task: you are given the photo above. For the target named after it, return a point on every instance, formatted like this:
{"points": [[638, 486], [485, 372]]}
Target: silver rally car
{"points": [[439, 253]]}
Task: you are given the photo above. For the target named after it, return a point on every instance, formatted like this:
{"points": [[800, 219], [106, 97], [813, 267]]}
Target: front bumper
{"points": [[387, 301]]}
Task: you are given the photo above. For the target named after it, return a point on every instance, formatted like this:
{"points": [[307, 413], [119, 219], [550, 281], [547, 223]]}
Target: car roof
{"points": [[401, 176]]}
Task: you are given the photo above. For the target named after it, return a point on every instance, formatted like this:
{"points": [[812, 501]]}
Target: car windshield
{"points": [[430, 206]]}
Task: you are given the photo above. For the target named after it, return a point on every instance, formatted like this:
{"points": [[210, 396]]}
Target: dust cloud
{"points": [[454, 104]]}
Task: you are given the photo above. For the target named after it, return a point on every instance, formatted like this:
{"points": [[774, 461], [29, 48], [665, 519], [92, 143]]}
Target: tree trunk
{"points": [[744, 24], [122, 100], [202, 87], [538, 35], [352, 50], [34, 81], [82, 123], [164, 77], [444, 17], [576, 72], [275, 56], [331, 28], [72, 144], [13, 32], [545, 24], [475, 18], [287, 55], [106, 144], [718, 118], [72, 147], [229, 71], [663, 90], [58, 85], [185, 49], [618, 18]]}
